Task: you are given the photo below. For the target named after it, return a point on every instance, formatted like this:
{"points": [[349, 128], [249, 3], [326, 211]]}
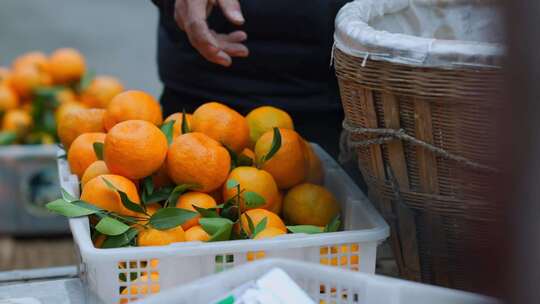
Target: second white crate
{"points": [[322, 284]]}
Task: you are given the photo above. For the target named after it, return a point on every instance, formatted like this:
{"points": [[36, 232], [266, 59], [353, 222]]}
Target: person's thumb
{"points": [[231, 10]]}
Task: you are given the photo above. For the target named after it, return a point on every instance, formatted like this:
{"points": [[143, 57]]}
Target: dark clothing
{"points": [[290, 44], [288, 67]]}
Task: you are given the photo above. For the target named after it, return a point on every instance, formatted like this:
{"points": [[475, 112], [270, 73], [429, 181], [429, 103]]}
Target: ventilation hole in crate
{"points": [[137, 279], [356, 298], [255, 255], [344, 295], [327, 294], [224, 262], [344, 255]]}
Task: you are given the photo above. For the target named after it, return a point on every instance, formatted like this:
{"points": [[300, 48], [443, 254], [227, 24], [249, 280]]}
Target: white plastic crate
{"points": [[181, 263], [28, 180], [323, 284]]}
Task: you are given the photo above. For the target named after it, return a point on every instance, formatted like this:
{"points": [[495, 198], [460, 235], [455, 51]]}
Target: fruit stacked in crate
{"points": [[212, 175], [37, 90], [156, 202]]}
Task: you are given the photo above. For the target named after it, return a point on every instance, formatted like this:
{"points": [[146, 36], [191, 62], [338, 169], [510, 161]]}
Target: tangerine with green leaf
{"points": [[177, 127], [309, 204], [81, 153], [254, 180], [98, 193], [193, 198], [288, 164], [195, 158], [257, 215], [135, 149]]}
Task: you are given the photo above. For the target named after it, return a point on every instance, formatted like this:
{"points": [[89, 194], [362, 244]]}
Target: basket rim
{"points": [[354, 36]]}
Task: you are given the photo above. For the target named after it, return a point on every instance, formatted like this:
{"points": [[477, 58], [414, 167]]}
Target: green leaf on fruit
{"points": [[98, 150], [168, 130], [67, 196], [68, 209], [219, 229], [120, 240], [230, 210], [179, 190], [251, 226], [7, 138], [207, 212], [148, 185], [260, 227], [86, 205], [126, 201], [334, 224], [223, 234], [244, 161], [253, 199], [185, 125], [308, 229], [110, 226], [233, 155], [274, 148], [171, 217], [158, 195], [85, 81], [231, 183]]}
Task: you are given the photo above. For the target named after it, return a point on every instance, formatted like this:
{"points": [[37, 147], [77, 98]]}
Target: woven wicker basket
{"points": [[433, 189]]}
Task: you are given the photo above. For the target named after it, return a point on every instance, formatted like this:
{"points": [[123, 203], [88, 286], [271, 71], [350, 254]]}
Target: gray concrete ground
{"points": [[118, 37]]}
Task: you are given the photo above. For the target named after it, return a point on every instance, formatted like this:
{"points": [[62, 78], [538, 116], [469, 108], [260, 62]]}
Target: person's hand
{"points": [[190, 15]]}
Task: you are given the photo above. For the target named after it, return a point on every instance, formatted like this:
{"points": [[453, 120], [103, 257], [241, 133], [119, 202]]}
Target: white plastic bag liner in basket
{"points": [[427, 33]]}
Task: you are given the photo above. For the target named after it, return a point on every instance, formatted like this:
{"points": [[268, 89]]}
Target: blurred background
{"points": [[118, 38]]}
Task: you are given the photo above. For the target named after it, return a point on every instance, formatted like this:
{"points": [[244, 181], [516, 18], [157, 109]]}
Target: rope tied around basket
{"points": [[386, 135]]}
